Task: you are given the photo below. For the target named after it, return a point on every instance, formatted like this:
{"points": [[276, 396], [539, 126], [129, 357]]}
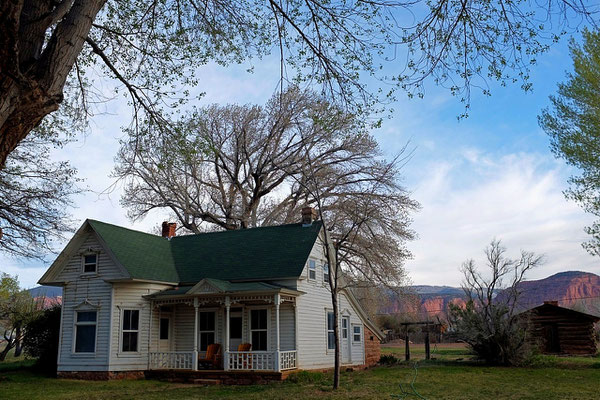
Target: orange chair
{"points": [[212, 357], [244, 347], [246, 359]]}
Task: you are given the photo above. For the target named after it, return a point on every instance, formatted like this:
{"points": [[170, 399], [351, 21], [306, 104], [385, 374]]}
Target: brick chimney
{"points": [[168, 229], [309, 215], [551, 302]]}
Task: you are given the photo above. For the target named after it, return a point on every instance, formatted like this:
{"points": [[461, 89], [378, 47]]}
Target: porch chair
{"points": [[212, 357], [246, 358]]}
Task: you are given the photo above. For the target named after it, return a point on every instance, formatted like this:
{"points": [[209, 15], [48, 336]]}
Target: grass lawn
{"points": [[450, 376]]}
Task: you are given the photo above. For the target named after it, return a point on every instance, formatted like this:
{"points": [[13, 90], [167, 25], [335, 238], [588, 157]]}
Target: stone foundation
{"points": [[372, 348], [100, 375]]}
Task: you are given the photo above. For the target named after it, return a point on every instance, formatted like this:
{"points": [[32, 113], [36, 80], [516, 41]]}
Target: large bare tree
{"points": [[235, 167], [153, 48]]}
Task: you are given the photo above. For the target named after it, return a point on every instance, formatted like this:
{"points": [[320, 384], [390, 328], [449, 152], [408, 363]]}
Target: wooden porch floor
{"points": [[215, 377]]}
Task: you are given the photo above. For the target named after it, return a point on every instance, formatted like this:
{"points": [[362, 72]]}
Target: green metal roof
{"points": [[248, 254]]}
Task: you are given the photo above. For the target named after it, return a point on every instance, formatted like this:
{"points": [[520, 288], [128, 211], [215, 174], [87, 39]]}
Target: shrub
{"points": [[389, 359], [41, 338]]}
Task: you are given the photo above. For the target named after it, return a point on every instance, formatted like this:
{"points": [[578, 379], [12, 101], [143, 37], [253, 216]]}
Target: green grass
{"points": [[452, 376]]}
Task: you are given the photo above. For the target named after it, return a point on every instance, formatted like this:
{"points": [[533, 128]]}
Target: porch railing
{"points": [[171, 360], [251, 361], [287, 360]]}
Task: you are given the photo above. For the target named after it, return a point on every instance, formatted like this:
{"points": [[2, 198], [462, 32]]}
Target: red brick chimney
{"points": [[168, 229], [551, 302], [309, 215]]}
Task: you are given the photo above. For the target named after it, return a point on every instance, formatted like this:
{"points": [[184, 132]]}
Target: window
{"points": [[90, 262], [85, 331], [207, 329], [330, 332], [130, 331], [356, 335], [258, 329], [326, 273], [164, 329], [312, 270], [344, 328]]}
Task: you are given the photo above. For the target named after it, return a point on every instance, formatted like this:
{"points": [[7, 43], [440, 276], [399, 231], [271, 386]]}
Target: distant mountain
{"points": [[46, 291], [572, 289]]}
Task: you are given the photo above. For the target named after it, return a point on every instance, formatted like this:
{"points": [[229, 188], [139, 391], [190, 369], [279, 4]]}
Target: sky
{"points": [[488, 176]]}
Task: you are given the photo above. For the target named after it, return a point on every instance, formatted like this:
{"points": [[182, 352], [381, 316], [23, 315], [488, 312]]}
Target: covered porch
{"points": [[186, 321]]}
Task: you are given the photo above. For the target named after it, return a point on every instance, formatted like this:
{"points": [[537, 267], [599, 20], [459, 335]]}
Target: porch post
{"points": [[277, 335], [226, 351], [195, 353]]}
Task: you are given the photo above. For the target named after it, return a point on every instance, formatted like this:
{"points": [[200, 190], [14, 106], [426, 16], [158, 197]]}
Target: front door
{"points": [[235, 328], [345, 340]]}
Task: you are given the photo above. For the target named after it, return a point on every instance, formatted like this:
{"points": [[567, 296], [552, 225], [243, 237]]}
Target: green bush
{"points": [[389, 359], [41, 339]]}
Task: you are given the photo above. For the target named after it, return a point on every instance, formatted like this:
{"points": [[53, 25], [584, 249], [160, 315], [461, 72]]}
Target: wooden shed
{"points": [[560, 330]]}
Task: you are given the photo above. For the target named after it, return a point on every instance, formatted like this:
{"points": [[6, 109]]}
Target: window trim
{"points": [[267, 329], [345, 319], [326, 274], [89, 252], [84, 323], [122, 331], [328, 331], [360, 334], [214, 331], [312, 267]]}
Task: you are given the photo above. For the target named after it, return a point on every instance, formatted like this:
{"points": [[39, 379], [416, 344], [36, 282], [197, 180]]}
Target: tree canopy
{"points": [[573, 124]]}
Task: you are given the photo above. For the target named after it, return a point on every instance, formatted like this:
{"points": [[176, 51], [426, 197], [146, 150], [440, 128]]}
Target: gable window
{"points": [[312, 270], [85, 331], [164, 329], [330, 332], [326, 273], [130, 331], [90, 263], [344, 328], [356, 334], [207, 329], [258, 329]]}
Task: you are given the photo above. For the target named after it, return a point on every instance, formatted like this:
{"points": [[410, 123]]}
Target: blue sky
{"points": [[490, 175]]}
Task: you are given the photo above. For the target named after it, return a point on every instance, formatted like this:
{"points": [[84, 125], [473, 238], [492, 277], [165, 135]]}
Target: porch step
{"points": [[204, 381]]}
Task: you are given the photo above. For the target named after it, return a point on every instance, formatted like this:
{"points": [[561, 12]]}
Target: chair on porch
{"points": [[245, 359], [212, 357]]}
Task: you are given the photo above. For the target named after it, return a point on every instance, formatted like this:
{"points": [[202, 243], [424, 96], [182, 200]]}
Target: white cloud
{"points": [[514, 197]]}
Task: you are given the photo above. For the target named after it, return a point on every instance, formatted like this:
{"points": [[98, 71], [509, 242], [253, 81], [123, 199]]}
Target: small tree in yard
{"points": [[41, 338], [489, 323]]}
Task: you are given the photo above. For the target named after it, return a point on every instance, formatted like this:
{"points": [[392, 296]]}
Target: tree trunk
{"points": [[4, 353], [33, 67], [18, 343], [336, 334]]}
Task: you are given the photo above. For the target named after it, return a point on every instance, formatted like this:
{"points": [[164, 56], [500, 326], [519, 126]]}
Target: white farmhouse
{"points": [[138, 304]]}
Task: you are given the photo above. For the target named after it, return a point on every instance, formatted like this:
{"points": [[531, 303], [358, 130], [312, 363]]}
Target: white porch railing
{"points": [[287, 360], [171, 360], [251, 361]]}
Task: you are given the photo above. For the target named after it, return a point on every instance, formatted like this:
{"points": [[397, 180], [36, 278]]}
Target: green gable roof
{"points": [[248, 254]]}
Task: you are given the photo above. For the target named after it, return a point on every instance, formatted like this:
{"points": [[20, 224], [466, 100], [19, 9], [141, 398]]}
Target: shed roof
{"points": [[264, 253], [553, 308]]}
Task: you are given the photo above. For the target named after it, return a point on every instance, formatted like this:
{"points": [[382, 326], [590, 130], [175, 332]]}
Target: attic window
{"points": [[312, 270], [90, 263]]}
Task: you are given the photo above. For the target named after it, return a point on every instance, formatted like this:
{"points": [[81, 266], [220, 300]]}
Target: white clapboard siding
{"points": [[312, 319], [96, 291], [129, 296]]}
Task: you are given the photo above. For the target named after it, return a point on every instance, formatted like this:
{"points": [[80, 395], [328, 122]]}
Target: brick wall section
{"points": [[100, 375], [372, 348]]}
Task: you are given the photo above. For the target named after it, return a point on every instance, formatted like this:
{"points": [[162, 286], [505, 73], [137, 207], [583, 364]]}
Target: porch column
{"points": [[277, 334], [226, 351], [195, 353]]}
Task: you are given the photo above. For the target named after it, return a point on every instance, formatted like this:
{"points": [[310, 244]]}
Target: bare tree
{"points": [[154, 49], [490, 323]]}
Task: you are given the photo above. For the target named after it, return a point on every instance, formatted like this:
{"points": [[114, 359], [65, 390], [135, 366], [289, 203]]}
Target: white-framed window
{"points": [[207, 329], [130, 330], [312, 270], [326, 273], [356, 334], [344, 327], [90, 263], [85, 331], [330, 331], [258, 329]]}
